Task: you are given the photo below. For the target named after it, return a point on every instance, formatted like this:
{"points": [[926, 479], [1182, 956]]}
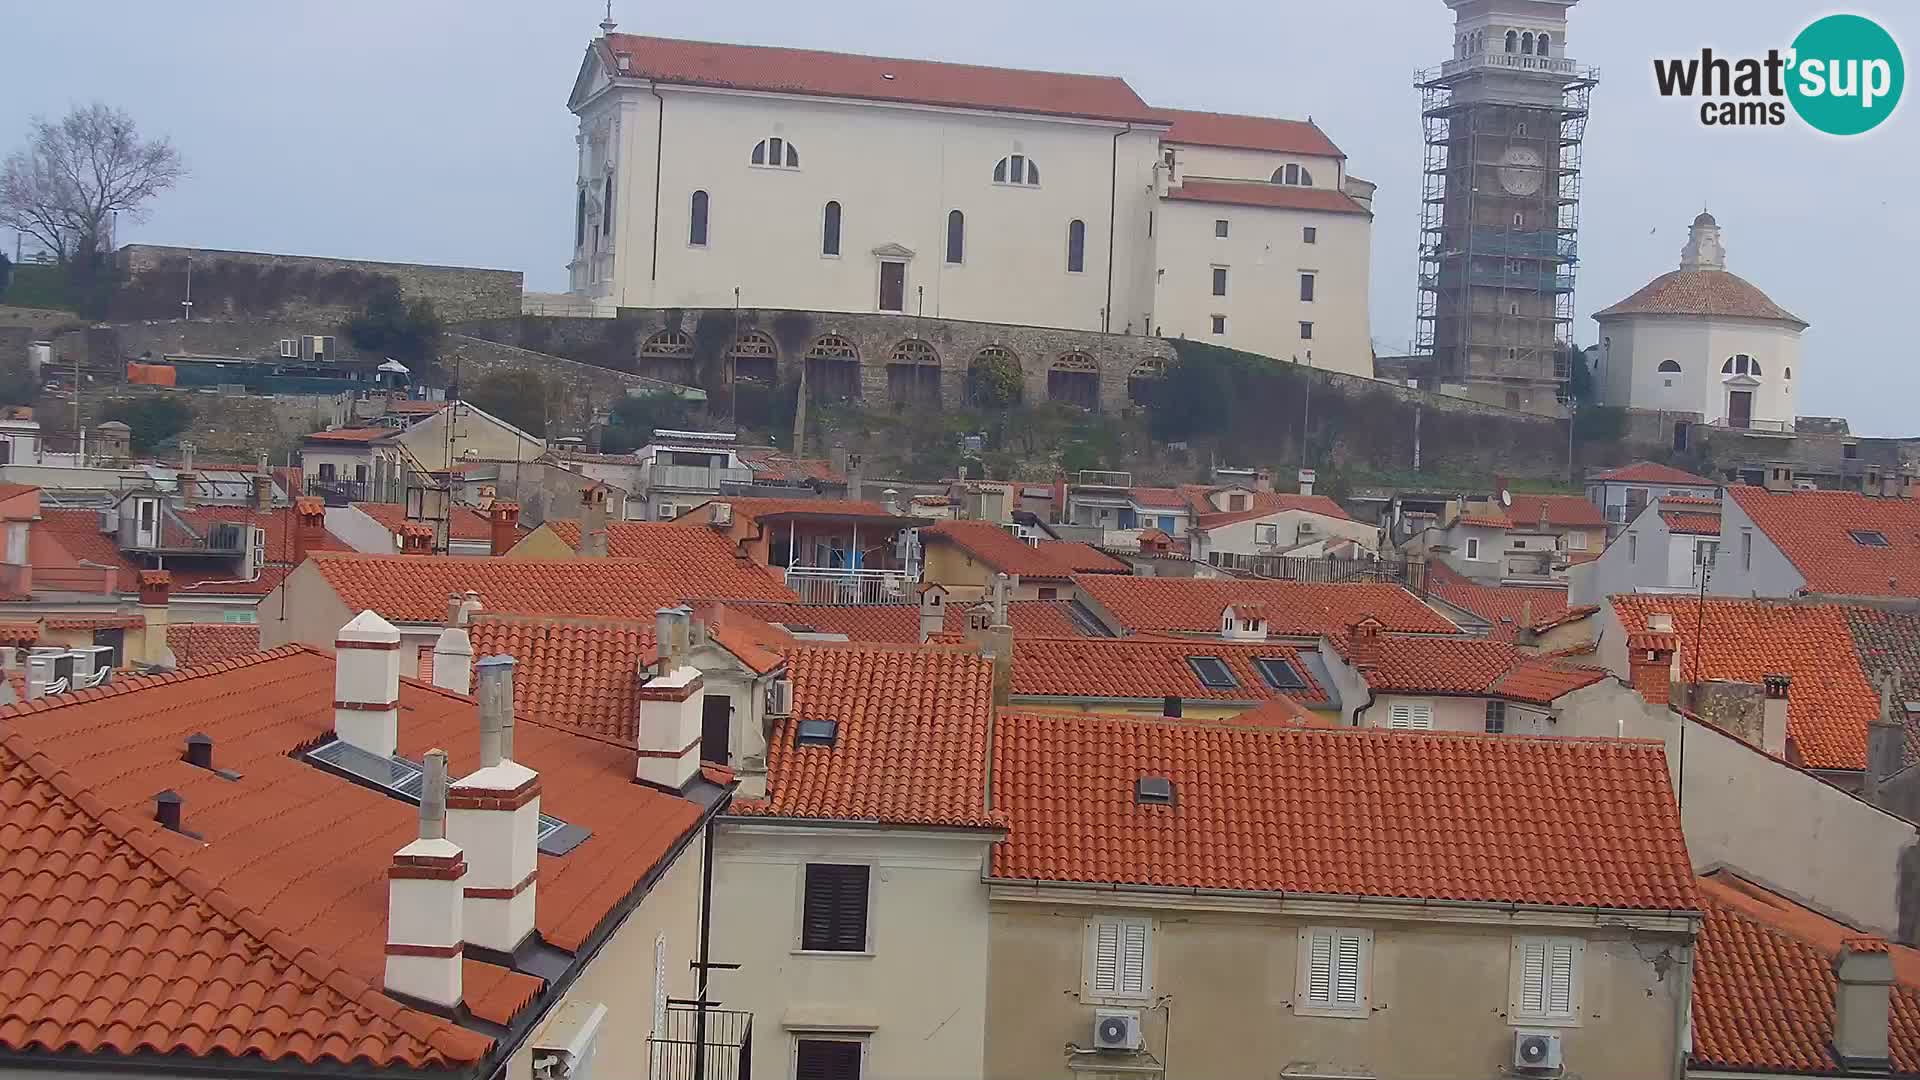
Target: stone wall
{"points": [[248, 283], [646, 341], [225, 429], [585, 392]]}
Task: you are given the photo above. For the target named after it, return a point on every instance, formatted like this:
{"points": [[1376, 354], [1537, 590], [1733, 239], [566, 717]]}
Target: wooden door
{"points": [[1739, 408], [893, 286], [716, 716]]}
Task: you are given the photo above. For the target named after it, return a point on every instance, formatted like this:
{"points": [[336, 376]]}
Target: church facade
{"points": [[1704, 340], [715, 176]]}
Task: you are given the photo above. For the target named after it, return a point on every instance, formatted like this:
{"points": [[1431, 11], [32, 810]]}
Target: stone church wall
{"points": [[298, 287]]}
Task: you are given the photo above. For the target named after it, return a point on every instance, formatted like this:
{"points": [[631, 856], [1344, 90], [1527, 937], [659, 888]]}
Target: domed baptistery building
{"points": [[1702, 339]]}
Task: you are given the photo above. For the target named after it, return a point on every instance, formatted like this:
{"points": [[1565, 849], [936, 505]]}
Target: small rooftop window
{"points": [[1278, 673], [1212, 672], [1153, 791], [816, 733], [1868, 537], [401, 779]]}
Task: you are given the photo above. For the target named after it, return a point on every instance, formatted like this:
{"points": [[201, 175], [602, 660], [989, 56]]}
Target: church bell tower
{"points": [[1500, 205]]}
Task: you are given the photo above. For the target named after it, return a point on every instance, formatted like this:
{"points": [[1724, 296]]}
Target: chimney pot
{"points": [[1862, 999], [263, 494], [433, 795], [426, 905], [454, 602], [189, 486], [494, 675], [166, 810], [503, 519], [366, 684], [1172, 706], [200, 750]]}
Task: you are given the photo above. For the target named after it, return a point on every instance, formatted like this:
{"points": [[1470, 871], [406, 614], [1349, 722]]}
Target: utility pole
{"points": [[187, 304]]}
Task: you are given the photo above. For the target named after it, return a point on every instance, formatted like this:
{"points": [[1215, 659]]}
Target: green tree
{"points": [[994, 382], [392, 326], [6, 272], [1191, 399], [519, 397], [151, 419], [1579, 377]]}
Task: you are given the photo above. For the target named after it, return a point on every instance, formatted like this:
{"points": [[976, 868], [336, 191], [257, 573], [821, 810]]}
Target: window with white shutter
{"points": [[1118, 958], [1546, 980], [1411, 716], [1334, 963]]}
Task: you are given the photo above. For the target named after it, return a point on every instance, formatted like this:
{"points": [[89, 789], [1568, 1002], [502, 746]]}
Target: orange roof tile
{"points": [[580, 673], [1082, 558], [198, 644], [1280, 712], [353, 435], [1000, 550], [1701, 292], [1474, 668], [414, 588], [463, 522], [1484, 518], [1261, 193], [1813, 530], [1503, 606], [1562, 511], [1650, 472], [899, 624], [1831, 701], [1160, 498], [1247, 133], [1148, 668], [755, 508], [875, 78], [1266, 503], [1294, 608], [1688, 523], [1763, 985], [771, 464], [911, 744], [695, 555], [1349, 812], [65, 538], [284, 897], [20, 633]]}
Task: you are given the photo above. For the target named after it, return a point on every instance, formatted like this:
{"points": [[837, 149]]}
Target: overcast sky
{"points": [[437, 131]]}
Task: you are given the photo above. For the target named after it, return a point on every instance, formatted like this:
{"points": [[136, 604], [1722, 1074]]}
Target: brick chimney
{"points": [[995, 640], [155, 585], [426, 945], [1363, 644], [416, 538], [310, 526], [669, 713], [593, 522], [1651, 659], [366, 684], [493, 813], [189, 487], [1862, 999], [453, 650], [1773, 715], [262, 493], [503, 523]]}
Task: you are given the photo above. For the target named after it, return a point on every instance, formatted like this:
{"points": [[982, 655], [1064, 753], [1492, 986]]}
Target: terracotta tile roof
{"points": [[772, 465], [1812, 529], [353, 435], [1651, 472], [199, 644], [1261, 193], [705, 560], [1501, 605], [1888, 643], [1265, 503], [1563, 511], [1000, 550], [755, 508], [1831, 701], [1690, 523], [911, 744], [1701, 292], [1464, 666], [1295, 609], [1082, 558], [1148, 668], [1247, 133], [65, 538], [94, 622], [875, 78], [1763, 985], [1484, 518], [580, 673], [414, 588], [1159, 498], [1280, 712], [20, 633], [463, 523], [899, 624], [1349, 812], [284, 897]]}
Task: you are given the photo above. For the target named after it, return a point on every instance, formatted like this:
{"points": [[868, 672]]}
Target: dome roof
{"points": [[1705, 219], [1702, 292]]}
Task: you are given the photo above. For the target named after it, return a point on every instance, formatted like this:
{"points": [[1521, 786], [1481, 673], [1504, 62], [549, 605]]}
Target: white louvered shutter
{"points": [[1533, 978], [1560, 979], [1346, 969], [1133, 958], [1401, 717], [1422, 717], [1320, 967], [1106, 958]]}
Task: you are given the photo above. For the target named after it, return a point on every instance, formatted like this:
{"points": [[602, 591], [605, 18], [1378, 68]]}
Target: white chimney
{"points": [[1660, 623], [493, 813], [453, 660], [425, 945], [1773, 715], [366, 684], [1307, 477], [1862, 996], [933, 612], [669, 724]]}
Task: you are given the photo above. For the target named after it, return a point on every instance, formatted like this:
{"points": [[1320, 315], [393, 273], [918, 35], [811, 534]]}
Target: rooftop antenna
{"points": [[607, 24]]}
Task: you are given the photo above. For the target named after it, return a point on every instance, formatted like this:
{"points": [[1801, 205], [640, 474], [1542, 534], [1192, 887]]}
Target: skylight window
{"points": [[1213, 672], [1153, 791], [1868, 537], [1278, 673], [816, 733], [401, 779]]}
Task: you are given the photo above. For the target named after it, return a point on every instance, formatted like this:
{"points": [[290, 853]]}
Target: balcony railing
{"points": [[838, 585], [1775, 427], [340, 492], [724, 1039], [1506, 61], [707, 478]]}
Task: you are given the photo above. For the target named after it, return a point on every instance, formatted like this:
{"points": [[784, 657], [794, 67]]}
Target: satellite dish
{"points": [[1506, 497]]}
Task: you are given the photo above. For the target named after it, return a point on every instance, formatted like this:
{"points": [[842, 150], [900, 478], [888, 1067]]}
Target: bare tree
{"points": [[65, 185]]}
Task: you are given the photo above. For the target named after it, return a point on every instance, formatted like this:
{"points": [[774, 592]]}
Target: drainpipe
{"points": [[706, 938], [1113, 200], [659, 148]]}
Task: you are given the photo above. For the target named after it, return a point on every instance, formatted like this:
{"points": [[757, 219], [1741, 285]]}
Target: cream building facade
{"points": [[715, 176]]}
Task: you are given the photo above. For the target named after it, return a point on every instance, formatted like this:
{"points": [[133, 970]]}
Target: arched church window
{"points": [[1740, 364], [1293, 175], [776, 153], [580, 217], [1526, 44], [606, 208], [1669, 367], [1076, 246], [1016, 169], [1513, 41], [830, 230], [697, 220], [956, 236], [1540, 46]]}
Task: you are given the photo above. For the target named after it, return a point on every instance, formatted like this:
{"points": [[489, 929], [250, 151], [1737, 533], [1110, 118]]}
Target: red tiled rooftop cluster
{"points": [[1650, 472], [1813, 529], [1505, 607], [1294, 609], [1148, 668], [899, 624], [996, 548], [1413, 665]]}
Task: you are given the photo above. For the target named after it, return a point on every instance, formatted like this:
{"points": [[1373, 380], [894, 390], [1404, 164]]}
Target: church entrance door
{"points": [[1739, 408], [893, 286]]}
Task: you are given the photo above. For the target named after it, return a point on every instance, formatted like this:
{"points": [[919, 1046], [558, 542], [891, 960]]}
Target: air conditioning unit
{"points": [[666, 511], [780, 698], [1536, 1051], [1116, 1029], [720, 516], [1306, 528], [564, 1049], [110, 521]]}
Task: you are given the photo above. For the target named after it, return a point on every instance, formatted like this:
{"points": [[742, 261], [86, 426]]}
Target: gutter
{"points": [[1113, 210], [659, 150]]}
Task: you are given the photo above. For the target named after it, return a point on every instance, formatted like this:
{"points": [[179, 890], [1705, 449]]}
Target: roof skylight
{"points": [[401, 779]]}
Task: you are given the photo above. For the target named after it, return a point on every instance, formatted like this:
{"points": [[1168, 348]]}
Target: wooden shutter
{"points": [[1106, 957], [834, 916], [1320, 967], [826, 1059], [1119, 956], [1533, 978], [1560, 979], [1133, 958], [1346, 969]]}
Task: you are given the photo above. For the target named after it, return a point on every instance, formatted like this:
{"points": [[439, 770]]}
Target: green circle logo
{"points": [[1847, 75]]}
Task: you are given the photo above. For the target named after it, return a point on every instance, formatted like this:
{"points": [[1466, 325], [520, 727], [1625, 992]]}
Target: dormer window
{"points": [[1293, 176]]}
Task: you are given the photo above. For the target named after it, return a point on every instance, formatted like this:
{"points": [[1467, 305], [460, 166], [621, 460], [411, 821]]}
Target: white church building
{"points": [[1702, 339], [715, 175]]}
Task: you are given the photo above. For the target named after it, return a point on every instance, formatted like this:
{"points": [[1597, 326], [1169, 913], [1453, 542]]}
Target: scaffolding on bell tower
{"points": [[1499, 224]]}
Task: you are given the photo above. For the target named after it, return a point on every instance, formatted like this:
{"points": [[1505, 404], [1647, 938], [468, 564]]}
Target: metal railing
{"points": [[1411, 573], [340, 492], [1506, 61], [1778, 427], [837, 585], [675, 1051]]}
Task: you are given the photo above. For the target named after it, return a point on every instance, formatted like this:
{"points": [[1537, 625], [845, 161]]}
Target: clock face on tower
{"points": [[1521, 174]]}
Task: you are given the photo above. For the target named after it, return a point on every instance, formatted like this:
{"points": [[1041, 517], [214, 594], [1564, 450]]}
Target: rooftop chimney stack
{"points": [[310, 528], [1653, 658], [503, 523], [493, 814], [366, 684], [999, 641], [1886, 739], [890, 499], [1773, 714], [593, 522], [189, 485], [669, 712], [155, 586], [1307, 478], [425, 939], [453, 650], [1363, 644], [1862, 999], [186, 457], [262, 493], [933, 611]]}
